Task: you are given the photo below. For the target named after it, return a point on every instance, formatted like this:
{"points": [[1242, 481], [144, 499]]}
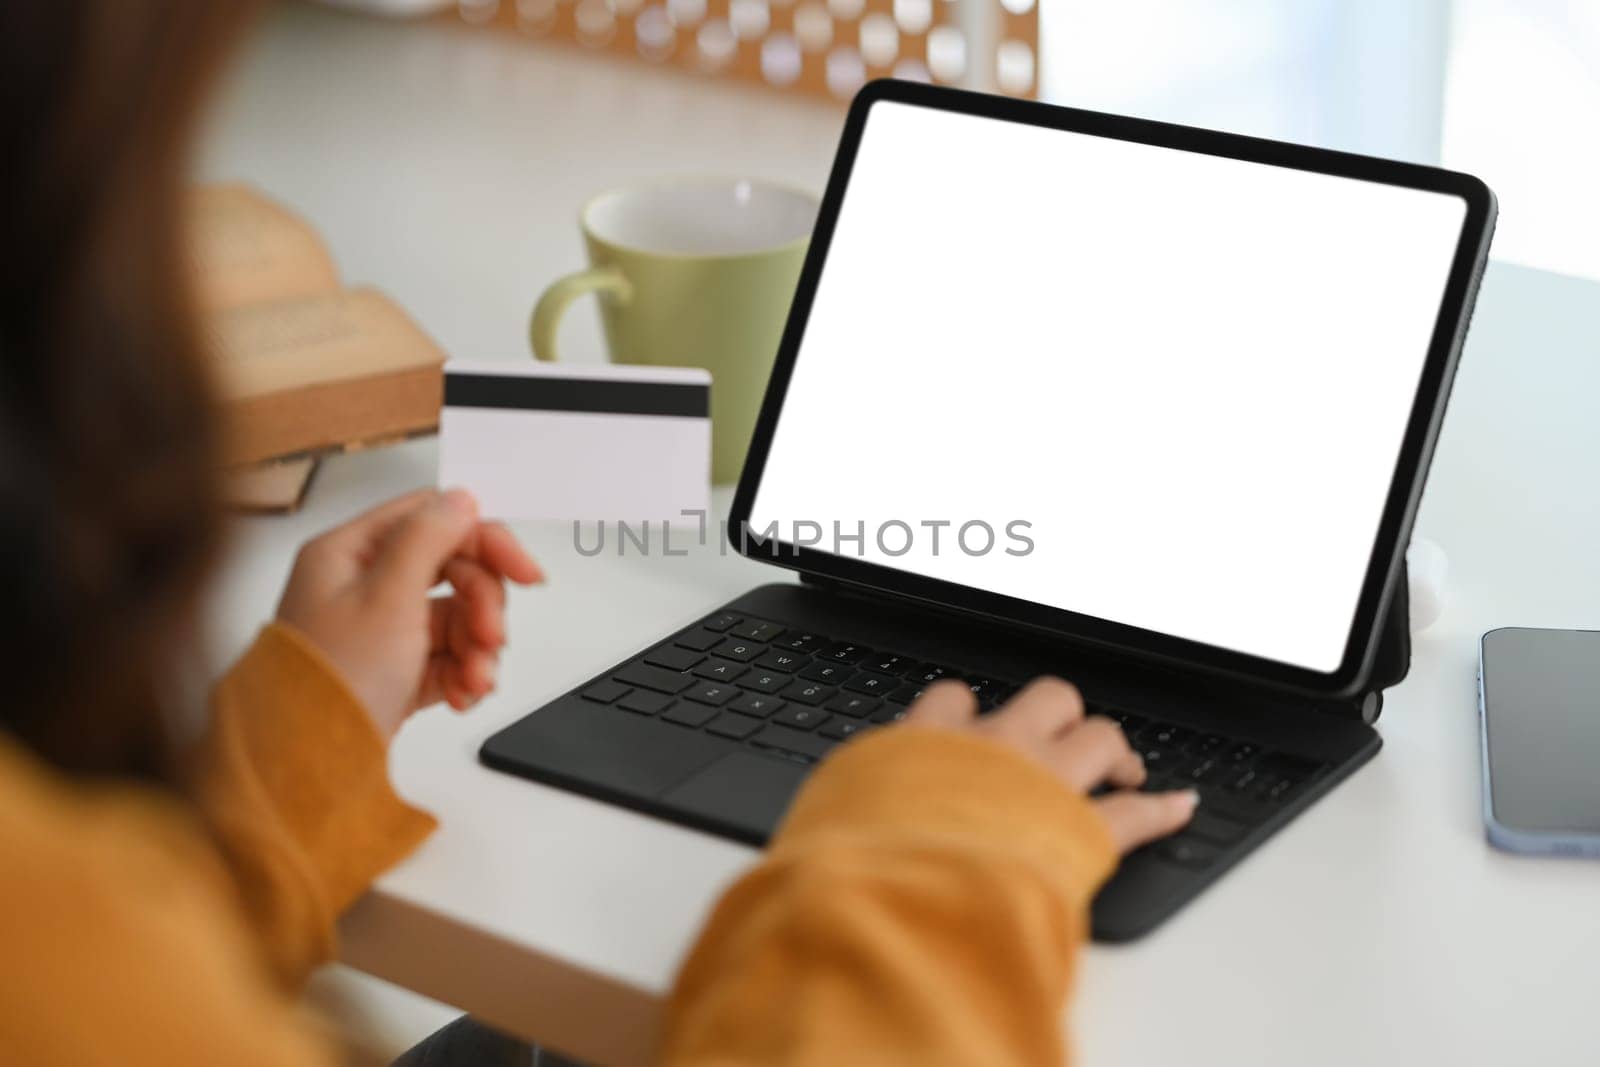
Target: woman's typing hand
{"points": [[1046, 721]]}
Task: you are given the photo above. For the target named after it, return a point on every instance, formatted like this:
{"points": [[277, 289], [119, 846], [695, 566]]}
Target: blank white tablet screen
{"points": [[1188, 375]]}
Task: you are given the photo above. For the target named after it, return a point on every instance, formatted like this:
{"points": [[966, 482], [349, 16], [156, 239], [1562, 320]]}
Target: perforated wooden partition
{"points": [[827, 47]]}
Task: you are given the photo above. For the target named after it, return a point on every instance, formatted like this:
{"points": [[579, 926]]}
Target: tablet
{"points": [[1149, 388]]}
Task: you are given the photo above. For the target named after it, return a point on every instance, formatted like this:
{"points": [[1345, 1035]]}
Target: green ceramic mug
{"points": [[692, 272]]}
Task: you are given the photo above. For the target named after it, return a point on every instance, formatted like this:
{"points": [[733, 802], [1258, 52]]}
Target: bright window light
{"points": [[1523, 111], [1361, 75]]}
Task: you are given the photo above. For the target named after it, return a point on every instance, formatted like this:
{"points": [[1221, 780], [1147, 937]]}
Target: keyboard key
{"points": [[1274, 788], [1187, 852], [906, 694], [883, 663], [809, 692], [844, 652], [699, 640], [839, 729], [605, 692], [1209, 745], [1209, 826], [1241, 781], [765, 681], [721, 623], [1204, 769], [987, 690], [795, 641], [757, 631], [927, 673], [1243, 752], [654, 678], [708, 693], [1163, 761], [1170, 737], [808, 747], [801, 717], [644, 702], [1136, 730], [719, 670], [738, 648], [1180, 765], [1160, 782], [758, 704], [673, 659], [690, 715], [889, 713], [737, 727], [876, 684], [1132, 725], [780, 660], [1233, 806], [832, 673], [1292, 768], [854, 706]]}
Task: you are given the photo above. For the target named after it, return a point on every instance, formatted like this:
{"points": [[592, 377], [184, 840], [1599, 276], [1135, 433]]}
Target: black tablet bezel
{"points": [[1410, 470]]}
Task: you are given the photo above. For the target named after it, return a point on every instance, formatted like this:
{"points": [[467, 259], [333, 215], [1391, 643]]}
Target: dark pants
{"points": [[468, 1043]]}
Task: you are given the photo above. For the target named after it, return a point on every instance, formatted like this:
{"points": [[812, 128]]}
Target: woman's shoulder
{"points": [[89, 857], [56, 819], [114, 907]]}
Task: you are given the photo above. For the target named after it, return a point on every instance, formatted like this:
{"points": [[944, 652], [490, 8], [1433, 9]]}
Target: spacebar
{"points": [[792, 742]]}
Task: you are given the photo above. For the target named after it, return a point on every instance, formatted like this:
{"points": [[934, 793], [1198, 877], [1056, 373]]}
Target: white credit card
{"points": [[569, 441]]}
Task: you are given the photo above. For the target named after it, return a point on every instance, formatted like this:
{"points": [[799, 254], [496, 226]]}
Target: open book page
{"points": [[357, 333], [247, 249], [275, 486]]}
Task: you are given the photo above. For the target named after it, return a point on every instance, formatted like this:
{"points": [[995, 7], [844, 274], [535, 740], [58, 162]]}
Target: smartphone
{"points": [[1539, 706]]}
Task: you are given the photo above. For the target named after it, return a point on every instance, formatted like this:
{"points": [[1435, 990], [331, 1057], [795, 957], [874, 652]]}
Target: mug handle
{"points": [[607, 281]]}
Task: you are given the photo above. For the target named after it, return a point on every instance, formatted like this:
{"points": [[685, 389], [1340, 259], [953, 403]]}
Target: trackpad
{"points": [[745, 790]]}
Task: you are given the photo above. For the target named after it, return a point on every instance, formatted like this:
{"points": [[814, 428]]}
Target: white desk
{"points": [[446, 167]]}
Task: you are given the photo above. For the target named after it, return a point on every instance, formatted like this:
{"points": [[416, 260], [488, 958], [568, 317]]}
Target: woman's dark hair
{"points": [[108, 476]]}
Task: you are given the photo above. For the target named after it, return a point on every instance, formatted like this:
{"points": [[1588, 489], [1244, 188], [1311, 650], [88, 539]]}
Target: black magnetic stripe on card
{"points": [[576, 394]]}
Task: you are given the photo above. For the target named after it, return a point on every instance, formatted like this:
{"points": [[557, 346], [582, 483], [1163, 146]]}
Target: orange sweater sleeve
{"points": [[292, 777], [121, 919], [923, 903]]}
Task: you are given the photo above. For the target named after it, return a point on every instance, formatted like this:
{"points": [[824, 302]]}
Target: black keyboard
{"points": [[798, 695]]}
